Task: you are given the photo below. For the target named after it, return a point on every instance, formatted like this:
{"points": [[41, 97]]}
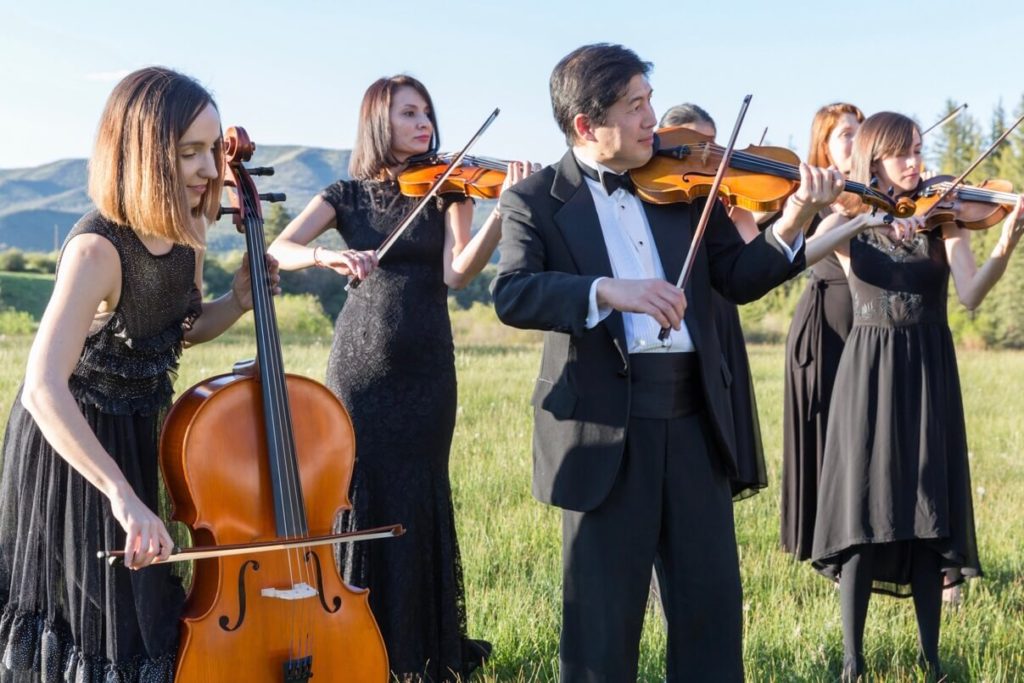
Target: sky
{"points": [[294, 73]]}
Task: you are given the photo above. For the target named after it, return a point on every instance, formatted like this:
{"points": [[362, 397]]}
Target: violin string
{"points": [[277, 421], [980, 194], [789, 171]]}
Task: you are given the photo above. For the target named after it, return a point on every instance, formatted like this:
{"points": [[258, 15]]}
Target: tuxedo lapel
{"points": [[581, 229]]}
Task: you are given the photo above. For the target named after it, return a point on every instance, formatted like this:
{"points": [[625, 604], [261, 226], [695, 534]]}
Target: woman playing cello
{"points": [[80, 453]]}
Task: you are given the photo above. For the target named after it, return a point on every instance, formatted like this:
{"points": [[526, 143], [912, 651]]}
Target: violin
{"points": [[478, 177], [242, 474], [972, 207], [759, 178]]}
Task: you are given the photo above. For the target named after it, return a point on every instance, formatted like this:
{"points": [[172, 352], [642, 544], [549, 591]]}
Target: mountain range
{"points": [[38, 206]]}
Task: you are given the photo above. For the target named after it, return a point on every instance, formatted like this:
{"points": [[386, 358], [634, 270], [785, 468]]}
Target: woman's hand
{"points": [[147, 538], [1013, 226], [517, 170], [241, 285], [905, 229], [348, 263]]}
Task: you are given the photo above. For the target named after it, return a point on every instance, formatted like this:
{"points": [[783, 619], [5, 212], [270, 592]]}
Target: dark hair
{"points": [[682, 114], [133, 172], [371, 154], [589, 80]]}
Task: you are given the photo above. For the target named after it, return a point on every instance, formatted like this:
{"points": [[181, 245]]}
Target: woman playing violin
{"points": [[80, 453], [392, 364], [894, 503], [821, 321], [751, 475]]}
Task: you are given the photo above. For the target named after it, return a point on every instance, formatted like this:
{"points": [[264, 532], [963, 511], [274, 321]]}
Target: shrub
{"points": [[16, 322], [12, 260]]}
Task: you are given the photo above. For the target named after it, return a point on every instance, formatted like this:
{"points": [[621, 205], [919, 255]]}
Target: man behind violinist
{"points": [[633, 436]]}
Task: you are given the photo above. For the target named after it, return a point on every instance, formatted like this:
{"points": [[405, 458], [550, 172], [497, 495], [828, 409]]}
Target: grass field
{"points": [[511, 544]]}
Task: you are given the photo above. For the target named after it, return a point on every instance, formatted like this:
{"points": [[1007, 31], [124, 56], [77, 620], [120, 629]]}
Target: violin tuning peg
{"points": [[261, 170], [892, 191], [273, 197], [873, 183]]}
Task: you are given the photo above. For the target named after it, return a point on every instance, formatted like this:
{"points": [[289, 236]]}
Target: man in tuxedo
{"points": [[633, 437]]}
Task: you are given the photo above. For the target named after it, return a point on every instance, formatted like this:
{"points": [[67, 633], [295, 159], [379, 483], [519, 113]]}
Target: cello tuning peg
{"points": [[273, 197], [228, 182], [227, 211], [261, 170]]}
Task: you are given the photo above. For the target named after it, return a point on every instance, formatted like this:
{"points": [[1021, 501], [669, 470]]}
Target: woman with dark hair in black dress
{"points": [[393, 365], [751, 475]]}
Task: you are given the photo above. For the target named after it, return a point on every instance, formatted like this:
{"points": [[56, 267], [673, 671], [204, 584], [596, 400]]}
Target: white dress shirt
{"points": [[634, 256]]}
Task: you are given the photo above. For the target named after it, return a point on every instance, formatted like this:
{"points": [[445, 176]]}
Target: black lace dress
{"points": [[393, 366], [895, 463], [67, 616]]}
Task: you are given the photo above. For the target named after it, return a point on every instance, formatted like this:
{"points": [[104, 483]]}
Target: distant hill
{"points": [[38, 206]]}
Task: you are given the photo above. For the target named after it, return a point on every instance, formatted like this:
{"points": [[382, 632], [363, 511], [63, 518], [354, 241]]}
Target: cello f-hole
{"points": [[312, 556], [224, 621]]}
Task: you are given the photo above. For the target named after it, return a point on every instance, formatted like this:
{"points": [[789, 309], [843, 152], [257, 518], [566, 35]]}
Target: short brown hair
{"points": [[133, 172], [371, 154], [825, 120]]}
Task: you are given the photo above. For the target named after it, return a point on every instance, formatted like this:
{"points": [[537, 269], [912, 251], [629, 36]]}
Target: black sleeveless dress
{"points": [[67, 616], [895, 463], [393, 366], [821, 323]]}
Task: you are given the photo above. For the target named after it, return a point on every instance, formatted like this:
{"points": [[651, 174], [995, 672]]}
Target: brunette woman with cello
{"points": [[894, 499], [80, 452], [821, 321], [392, 364]]}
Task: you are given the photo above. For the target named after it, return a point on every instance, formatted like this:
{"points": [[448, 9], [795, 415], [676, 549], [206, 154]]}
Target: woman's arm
{"points": [[291, 250], [973, 283], [90, 279], [465, 256]]}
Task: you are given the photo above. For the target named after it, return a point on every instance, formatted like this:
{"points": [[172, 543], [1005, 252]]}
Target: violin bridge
{"points": [[300, 591]]}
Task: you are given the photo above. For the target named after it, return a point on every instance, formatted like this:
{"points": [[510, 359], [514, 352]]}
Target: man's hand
{"points": [[659, 299]]}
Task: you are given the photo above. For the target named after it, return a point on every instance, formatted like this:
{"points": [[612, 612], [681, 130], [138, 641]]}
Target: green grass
{"points": [[511, 543], [25, 292]]}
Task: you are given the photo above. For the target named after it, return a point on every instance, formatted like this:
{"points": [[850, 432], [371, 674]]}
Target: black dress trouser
{"points": [[670, 506]]}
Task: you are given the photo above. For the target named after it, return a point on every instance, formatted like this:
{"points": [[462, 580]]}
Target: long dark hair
{"points": [[371, 154]]}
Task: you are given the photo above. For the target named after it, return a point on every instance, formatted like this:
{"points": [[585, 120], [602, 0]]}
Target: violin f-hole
{"points": [[314, 558], [224, 621]]}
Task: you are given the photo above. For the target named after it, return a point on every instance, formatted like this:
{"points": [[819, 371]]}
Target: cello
{"points": [[240, 471]]}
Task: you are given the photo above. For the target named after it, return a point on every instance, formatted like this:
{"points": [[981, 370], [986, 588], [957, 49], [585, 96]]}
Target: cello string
{"points": [[270, 366]]}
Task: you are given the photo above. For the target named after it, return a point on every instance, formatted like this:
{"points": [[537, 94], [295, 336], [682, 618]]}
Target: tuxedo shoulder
{"points": [[536, 182]]}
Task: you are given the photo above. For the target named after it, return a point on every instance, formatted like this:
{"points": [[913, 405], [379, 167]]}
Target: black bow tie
{"points": [[610, 181]]}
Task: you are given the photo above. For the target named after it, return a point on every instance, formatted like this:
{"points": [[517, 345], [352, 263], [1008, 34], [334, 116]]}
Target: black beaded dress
{"points": [[393, 366], [895, 463], [68, 616], [817, 333]]}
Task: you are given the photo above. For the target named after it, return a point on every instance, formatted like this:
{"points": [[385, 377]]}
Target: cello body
{"points": [[213, 444]]}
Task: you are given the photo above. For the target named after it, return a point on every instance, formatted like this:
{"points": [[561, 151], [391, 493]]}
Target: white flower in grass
{"points": [[981, 491]]}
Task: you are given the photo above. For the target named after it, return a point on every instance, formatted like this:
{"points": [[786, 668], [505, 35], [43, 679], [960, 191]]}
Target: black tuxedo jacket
{"points": [[552, 250]]}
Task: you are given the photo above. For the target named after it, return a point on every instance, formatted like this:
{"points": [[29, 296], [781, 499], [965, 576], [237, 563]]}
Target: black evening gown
{"points": [[751, 475], [895, 463], [821, 323], [68, 616], [393, 366]]}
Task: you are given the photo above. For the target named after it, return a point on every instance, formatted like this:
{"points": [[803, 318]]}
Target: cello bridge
{"points": [[300, 591]]}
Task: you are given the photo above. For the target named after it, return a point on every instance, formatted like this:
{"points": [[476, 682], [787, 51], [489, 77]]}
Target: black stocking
{"points": [[854, 594], [926, 580]]}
